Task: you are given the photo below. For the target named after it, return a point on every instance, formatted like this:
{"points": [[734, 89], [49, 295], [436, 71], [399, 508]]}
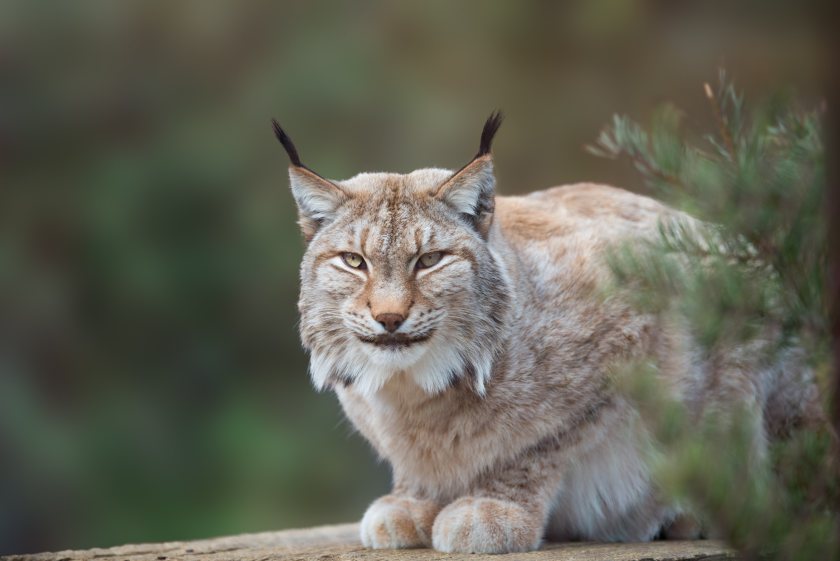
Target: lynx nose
{"points": [[391, 322]]}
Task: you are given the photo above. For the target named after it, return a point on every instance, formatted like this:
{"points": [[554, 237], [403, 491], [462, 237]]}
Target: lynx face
{"points": [[398, 278], [395, 281]]}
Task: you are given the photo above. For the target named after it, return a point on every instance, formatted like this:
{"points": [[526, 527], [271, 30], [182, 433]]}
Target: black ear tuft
{"points": [[494, 121], [289, 146]]}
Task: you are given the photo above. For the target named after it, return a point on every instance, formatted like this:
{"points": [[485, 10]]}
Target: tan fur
{"points": [[499, 422]]}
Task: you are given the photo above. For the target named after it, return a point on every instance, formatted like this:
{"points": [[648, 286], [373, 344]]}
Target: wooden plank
{"points": [[341, 542]]}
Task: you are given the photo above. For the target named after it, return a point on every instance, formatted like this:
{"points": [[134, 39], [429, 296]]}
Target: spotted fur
{"points": [[491, 401]]}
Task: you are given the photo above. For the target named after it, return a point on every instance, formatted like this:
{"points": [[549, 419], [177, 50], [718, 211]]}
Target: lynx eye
{"points": [[354, 260], [429, 259]]}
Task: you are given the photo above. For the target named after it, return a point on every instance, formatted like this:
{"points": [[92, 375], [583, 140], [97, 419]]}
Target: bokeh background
{"points": [[152, 386]]}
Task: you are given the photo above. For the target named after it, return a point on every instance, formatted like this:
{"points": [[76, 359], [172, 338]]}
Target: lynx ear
{"points": [[471, 189], [317, 198]]}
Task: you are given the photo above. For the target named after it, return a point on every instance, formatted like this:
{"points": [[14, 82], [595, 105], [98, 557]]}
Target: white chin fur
{"points": [[430, 365]]}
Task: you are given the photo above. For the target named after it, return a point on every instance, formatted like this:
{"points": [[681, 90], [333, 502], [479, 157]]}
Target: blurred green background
{"points": [[152, 386]]}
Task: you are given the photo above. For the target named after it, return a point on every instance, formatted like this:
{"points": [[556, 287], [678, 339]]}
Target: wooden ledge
{"points": [[341, 542]]}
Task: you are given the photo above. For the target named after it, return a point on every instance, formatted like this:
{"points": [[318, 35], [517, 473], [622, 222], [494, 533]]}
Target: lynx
{"points": [[468, 339]]}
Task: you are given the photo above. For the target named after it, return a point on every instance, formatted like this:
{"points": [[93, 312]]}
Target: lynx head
{"points": [[398, 279]]}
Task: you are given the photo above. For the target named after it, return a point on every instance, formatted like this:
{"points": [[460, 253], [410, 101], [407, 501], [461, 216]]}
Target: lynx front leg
{"points": [[398, 521], [506, 513]]}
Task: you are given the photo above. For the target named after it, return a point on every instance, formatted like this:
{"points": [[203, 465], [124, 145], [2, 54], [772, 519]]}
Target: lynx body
{"points": [[470, 339]]}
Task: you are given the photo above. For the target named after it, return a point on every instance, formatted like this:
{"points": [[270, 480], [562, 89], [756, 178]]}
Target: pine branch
{"points": [[753, 277], [722, 125]]}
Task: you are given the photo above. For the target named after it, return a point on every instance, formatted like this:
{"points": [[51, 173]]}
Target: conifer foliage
{"points": [[753, 277]]}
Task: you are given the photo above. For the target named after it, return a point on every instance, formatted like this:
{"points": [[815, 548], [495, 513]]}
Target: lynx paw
{"points": [[394, 522], [483, 525]]}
